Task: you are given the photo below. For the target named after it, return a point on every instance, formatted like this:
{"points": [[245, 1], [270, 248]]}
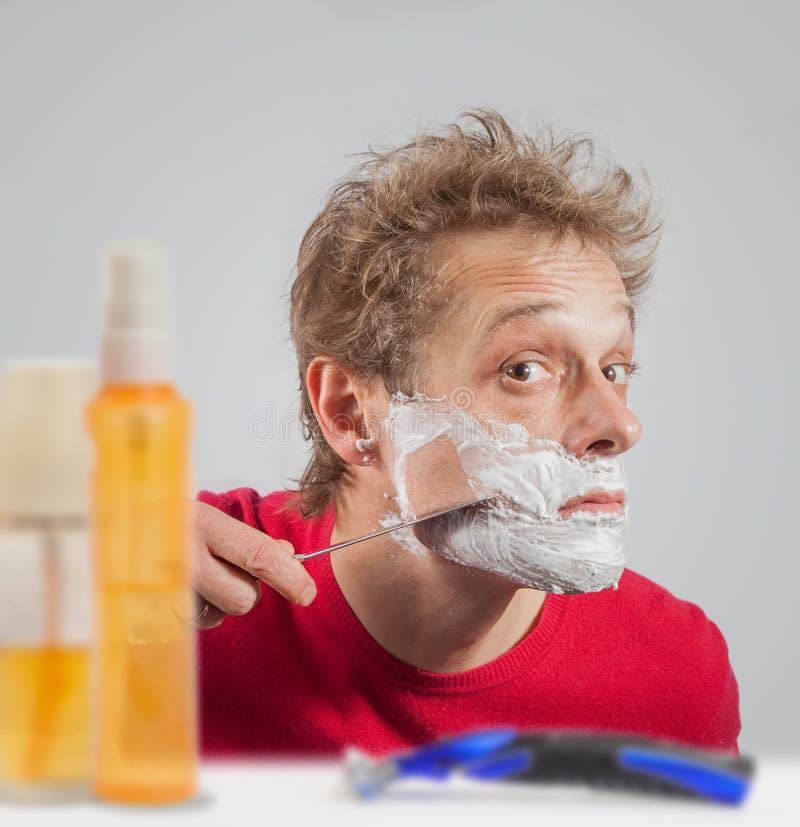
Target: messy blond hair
{"points": [[363, 292]]}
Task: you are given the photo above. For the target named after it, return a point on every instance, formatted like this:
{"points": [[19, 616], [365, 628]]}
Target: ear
{"points": [[337, 401]]}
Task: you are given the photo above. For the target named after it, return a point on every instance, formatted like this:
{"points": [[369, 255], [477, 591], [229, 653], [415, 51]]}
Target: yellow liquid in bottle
{"points": [[44, 716], [144, 681]]}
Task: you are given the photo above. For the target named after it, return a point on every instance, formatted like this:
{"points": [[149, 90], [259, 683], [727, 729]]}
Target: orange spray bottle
{"points": [[144, 692]]}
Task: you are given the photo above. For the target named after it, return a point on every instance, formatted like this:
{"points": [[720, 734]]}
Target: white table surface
{"points": [[267, 793]]}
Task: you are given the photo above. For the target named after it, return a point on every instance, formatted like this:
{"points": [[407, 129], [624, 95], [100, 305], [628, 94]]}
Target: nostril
{"points": [[601, 446]]}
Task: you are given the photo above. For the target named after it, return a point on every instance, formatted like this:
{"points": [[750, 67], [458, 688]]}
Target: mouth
{"points": [[594, 501]]}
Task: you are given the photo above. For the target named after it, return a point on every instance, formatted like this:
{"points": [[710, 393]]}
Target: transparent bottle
{"points": [[45, 579]]}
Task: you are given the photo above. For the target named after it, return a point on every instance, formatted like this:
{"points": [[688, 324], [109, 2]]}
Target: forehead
{"points": [[488, 275], [504, 263]]}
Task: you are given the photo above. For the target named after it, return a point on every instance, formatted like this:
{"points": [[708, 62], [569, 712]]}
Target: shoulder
{"points": [[688, 653], [276, 513], [653, 606], [650, 615], [246, 504]]}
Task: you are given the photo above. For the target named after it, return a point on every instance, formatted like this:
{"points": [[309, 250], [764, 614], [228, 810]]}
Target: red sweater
{"points": [[301, 681]]}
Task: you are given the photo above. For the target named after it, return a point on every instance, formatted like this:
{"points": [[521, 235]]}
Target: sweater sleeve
{"points": [[725, 727]]}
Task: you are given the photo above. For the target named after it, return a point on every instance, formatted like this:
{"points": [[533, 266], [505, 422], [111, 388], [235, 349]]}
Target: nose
{"points": [[599, 422]]}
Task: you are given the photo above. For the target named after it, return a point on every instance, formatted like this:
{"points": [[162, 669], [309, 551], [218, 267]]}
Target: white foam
{"points": [[518, 534]]}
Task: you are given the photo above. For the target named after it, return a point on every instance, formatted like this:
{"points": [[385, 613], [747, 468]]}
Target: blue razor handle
{"points": [[440, 758], [598, 760]]}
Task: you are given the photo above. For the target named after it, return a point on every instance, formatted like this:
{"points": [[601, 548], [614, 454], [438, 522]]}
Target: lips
{"points": [[594, 501]]}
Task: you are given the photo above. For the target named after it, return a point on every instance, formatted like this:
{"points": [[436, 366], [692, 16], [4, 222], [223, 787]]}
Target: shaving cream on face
{"points": [[519, 533]]}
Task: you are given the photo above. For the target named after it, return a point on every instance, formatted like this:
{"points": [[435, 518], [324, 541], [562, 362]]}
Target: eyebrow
{"points": [[504, 315]]}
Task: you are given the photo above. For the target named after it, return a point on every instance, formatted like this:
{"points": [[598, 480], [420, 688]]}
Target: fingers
{"points": [[264, 558], [208, 617], [224, 586], [273, 562]]}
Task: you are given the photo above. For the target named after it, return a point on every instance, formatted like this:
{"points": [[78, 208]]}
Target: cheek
{"points": [[538, 412]]}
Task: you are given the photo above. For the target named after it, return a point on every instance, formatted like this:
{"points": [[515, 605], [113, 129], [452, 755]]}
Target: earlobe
{"points": [[366, 446]]}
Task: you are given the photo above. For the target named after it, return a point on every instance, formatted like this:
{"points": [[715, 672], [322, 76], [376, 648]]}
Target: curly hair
{"points": [[364, 289]]}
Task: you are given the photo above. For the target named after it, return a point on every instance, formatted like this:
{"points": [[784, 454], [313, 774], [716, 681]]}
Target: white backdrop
{"points": [[219, 126]]}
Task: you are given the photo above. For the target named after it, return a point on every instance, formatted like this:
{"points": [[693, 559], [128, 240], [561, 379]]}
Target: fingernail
{"points": [[308, 595]]}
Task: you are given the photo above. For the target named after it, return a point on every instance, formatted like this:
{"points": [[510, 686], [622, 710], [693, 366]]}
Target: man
{"points": [[506, 266]]}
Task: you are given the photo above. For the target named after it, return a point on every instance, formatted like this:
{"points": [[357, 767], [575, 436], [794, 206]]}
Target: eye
{"points": [[619, 373], [526, 371]]}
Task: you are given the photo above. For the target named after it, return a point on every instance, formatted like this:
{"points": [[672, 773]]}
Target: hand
{"points": [[231, 561]]}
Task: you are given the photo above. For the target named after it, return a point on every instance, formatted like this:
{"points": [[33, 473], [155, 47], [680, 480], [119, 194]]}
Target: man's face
{"points": [[533, 334], [539, 335]]}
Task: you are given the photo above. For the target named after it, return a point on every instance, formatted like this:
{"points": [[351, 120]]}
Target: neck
{"points": [[425, 610]]}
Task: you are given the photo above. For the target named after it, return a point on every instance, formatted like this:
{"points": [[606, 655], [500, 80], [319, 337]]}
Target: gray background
{"points": [[219, 126]]}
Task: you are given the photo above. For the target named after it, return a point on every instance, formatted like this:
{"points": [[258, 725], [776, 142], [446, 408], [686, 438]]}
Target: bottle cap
{"points": [[45, 449], [137, 343]]}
